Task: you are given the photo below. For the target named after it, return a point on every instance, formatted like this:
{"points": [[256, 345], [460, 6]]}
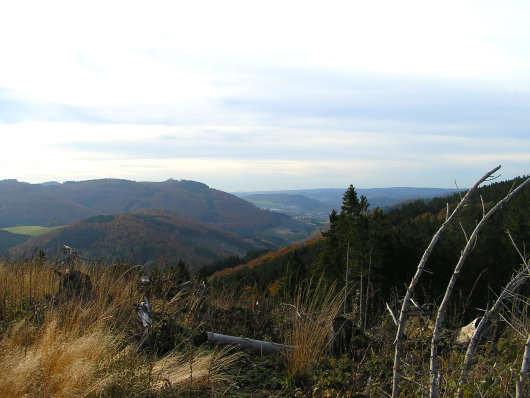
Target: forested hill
{"points": [[8, 239], [382, 250], [144, 235], [61, 204]]}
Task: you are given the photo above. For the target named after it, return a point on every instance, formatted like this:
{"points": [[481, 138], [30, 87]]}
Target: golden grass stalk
{"points": [[205, 370], [67, 350], [78, 348], [54, 360], [311, 335]]}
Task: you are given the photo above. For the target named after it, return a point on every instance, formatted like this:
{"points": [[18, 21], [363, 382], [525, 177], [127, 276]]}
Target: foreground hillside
{"points": [[62, 204], [142, 236], [58, 346]]}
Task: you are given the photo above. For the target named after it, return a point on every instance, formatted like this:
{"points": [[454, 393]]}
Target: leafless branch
{"points": [[520, 390], [403, 315], [464, 231], [514, 327], [458, 189], [513, 285], [435, 388], [522, 255], [392, 314]]}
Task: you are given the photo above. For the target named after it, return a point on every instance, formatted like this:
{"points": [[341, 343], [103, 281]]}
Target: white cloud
{"points": [[249, 158], [297, 93]]}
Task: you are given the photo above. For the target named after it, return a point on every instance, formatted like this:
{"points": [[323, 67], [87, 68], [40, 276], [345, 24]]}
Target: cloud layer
{"points": [[270, 96]]}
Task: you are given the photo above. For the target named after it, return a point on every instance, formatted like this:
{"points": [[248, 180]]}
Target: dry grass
{"points": [[90, 349], [63, 350], [76, 349], [24, 283], [54, 360], [311, 333], [193, 370]]}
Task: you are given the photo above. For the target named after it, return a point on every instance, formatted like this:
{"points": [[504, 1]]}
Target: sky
{"points": [[265, 95]]}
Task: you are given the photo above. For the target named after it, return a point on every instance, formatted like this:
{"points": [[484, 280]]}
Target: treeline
{"points": [[208, 270], [376, 254]]}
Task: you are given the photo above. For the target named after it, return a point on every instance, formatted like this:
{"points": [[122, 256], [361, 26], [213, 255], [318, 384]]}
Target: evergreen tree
{"points": [[182, 274], [345, 250], [296, 272]]}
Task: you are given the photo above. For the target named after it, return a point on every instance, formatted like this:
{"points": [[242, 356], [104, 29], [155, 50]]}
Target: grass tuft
{"points": [[313, 312]]}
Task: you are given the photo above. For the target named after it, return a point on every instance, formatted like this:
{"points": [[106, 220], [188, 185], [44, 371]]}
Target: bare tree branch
{"points": [[520, 389], [464, 231], [406, 301], [522, 255], [514, 283], [435, 388], [391, 313]]}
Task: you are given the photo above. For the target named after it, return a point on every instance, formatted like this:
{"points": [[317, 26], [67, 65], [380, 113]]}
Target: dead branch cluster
{"points": [[471, 333]]}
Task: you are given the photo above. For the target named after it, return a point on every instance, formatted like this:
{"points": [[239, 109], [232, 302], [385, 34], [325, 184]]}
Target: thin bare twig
{"points": [[458, 189], [392, 314], [464, 231], [520, 389], [522, 255], [514, 283]]}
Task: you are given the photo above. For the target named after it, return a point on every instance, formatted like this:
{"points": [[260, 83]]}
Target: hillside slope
{"points": [[150, 234], [394, 243], [61, 204], [8, 239]]}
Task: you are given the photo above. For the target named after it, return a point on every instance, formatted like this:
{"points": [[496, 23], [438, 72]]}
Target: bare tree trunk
{"points": [[346, 281], [367, 289], [520, 388], [359, 324], [256, 345], [440, 317], [408, 295]]}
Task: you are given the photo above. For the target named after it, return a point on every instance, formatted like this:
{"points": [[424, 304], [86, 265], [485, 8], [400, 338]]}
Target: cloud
{"points": [[280, 94], [246, 158]]}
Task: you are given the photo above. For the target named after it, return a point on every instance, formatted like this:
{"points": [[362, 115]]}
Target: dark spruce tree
{"points": [[345, 251]]}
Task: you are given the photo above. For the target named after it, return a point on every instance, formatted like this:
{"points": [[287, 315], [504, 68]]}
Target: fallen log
{"points": [[256, 345]]}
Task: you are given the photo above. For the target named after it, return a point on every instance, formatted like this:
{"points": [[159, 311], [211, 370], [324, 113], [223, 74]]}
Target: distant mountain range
{"points": [[61, 204], [317, 203], [111, 218], [212, 223]]}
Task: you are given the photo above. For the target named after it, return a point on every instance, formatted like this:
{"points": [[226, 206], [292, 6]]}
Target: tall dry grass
{"points": [[80, 349], [53, 360], [192, 371], [62, 350], [314, 308]]}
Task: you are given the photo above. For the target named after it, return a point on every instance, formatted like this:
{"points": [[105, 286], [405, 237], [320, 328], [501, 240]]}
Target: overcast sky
{"points": [[256, 95]]}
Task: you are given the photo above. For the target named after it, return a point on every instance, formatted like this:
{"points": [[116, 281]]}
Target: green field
{"points": [[31, 230]]}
